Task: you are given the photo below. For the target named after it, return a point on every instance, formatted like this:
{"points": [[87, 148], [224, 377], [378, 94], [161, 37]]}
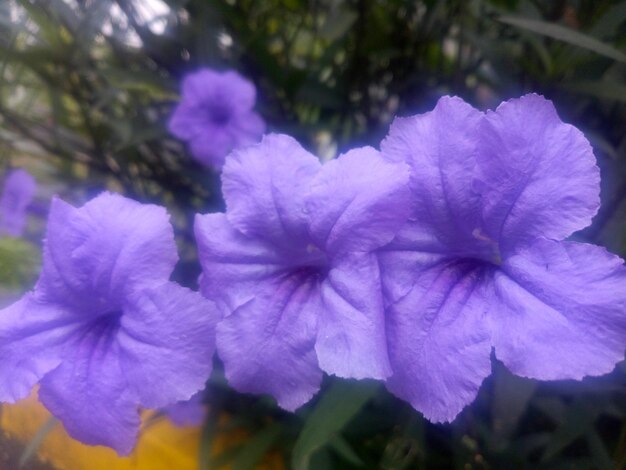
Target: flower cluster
{"points": [[410, 265]]}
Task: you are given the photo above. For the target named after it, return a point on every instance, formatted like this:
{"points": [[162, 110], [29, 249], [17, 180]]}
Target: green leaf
{"points": [[601, 456], [579, 420], [18, 262], [49, 28], [567, 35], [339, 404], [38, 438], [511, 397], [542, 53], [156, 85], [90, 24], [255, 448], [602, 89], [207, 439], [319, 95], [338, 24], [133, 135], [610, 21], [344, 450]]}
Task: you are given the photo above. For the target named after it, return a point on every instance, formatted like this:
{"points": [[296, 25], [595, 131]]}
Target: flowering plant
{"points": [[408, 266], [436, 296]]}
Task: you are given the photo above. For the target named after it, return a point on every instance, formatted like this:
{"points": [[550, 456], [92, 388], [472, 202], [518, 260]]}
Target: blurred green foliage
{"points": [[20, 260], [86, 87]]}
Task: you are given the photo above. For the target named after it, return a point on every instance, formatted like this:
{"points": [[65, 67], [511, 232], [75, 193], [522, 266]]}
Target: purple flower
{"points": [[481, 264], [104, 331], [291, 263], [189, 412], [17, 194], [215, 115]]}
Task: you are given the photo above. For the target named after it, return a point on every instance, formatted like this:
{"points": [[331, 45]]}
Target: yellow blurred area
{"points": [[161, 445]]}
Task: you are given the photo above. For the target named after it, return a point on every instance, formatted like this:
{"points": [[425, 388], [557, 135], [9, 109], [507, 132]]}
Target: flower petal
{"points": [[240, 90], [561, 311], [267, 343], [440, 148], [89, 394], [247, 128], [18, 193], [438, 339], [167, 340], [186, 122], [211, 146], [32, 342], [197, 86], [537, 175], [351, 338], [399, 266], [190, 412], [263, 188], [358, 202], [94, 254], [229, 258], [208, 85]]}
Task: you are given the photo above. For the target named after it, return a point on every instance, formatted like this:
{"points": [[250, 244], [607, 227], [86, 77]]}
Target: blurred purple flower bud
{"points": [[17, 194], [215, 115]]}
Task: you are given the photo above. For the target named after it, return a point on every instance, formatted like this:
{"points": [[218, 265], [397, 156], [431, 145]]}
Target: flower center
{"points": [[491, 253], [114, 316], [314, 264], [108, 323], [218, 115], [97, 335]]}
